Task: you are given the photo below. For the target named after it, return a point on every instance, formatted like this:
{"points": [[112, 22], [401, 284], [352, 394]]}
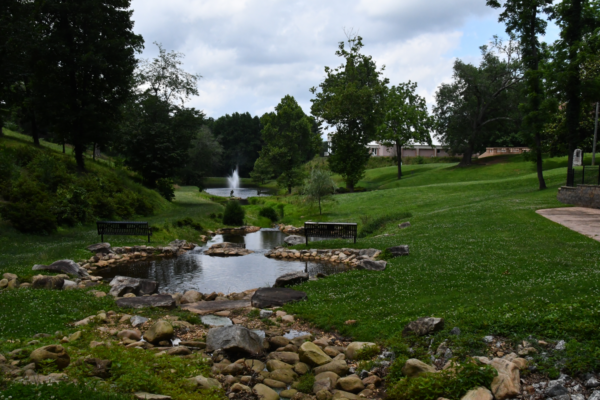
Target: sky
{"points": [[251, 53]]}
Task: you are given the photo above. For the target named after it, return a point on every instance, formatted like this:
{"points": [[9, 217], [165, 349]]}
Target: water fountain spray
{"points": [[234, 180]]}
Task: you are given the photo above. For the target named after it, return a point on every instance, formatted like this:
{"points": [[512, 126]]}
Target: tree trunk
{"points": [[350, 185], [34, 131], [320, 212], [570, 161], [467, 156], [289, 190], [64, 149], [539, 161], [399, 157]]}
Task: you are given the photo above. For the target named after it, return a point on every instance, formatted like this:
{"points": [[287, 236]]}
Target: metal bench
{"points": [[123, 228], [330, 230]]}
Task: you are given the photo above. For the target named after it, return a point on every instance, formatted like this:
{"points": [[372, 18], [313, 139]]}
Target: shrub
{"points": [[188, 222], [234, 213], [367, 353], [373, 225], [164, 186], [71, 206], [268, 212], [30, 209], [449, 384]]}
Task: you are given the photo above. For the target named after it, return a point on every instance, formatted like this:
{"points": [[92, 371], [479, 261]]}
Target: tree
{"points": [[240, 136], [522, 18], [351, 99], [469, 111], [204, 156], [406, 119], [85, 67], [262, 171], [288, 140], [318, 186]]}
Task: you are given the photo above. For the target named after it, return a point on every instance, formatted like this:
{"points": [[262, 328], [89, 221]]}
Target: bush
{"points": [[164, 186], [269, 212], [371, 226], [188, 222], [29, 210], [71, 206], [449, 384], [234, 213]]}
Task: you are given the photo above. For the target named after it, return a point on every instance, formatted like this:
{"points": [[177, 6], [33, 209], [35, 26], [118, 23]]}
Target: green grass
{"points": [[480, 257]]}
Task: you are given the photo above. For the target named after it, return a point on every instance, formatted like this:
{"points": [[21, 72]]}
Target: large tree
{"points": [[85, 67], [470, 110], [406, 120], [289, 140], [351, 100], [523, 19], [240, 136]]}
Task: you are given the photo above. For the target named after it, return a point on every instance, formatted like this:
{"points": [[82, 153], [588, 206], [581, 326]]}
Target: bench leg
{"points": [[102, 237], [148, 238]]}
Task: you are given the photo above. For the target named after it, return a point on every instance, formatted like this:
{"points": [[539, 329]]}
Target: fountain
{"points": [[234, 180]]}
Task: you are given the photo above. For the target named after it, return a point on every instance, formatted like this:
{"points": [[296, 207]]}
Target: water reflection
{"points": [[206, 274], [243, 193]]}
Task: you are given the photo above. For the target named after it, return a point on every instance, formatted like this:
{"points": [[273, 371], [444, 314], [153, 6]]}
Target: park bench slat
{"points": [[123, 228], [338, 230]]}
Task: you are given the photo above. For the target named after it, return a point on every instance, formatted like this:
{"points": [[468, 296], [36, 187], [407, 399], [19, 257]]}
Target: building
{"points": [[503, 151], [415, 150]]}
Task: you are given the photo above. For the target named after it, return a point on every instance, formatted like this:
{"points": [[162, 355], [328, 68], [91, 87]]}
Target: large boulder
{"points": [[294, 240], [398, 251], [160, 301], [162, 330], [353, 348], [507, 383], [292, 278], [122, 285], [414, 367], [481, 393], [47, 282], [424, 326], [68, 267], [312, 355], [274, 297], [371, 265], [54, 353], [191, 296], [234, 339], [103, 248]]}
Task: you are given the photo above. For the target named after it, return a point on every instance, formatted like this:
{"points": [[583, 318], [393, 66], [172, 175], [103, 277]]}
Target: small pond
{"points": [[207, 274], [242, 193]]}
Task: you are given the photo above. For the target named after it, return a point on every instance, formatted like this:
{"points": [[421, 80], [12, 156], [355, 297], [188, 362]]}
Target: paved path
{"points": [[582, 220]]}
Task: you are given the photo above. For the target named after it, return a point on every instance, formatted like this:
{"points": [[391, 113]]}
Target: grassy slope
{"points": [[480, 257]]}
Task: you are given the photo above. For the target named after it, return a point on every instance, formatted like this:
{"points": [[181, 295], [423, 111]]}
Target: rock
{"points": [[272, 297], [339, 367], [69, 267], [150, 396], [556, 390], [301, 369], [292, 278], [3, 283], [100, 368], [372, 265], [191, 296], [592, 382], [264, 392], [160, 301], [75, 336], [47, 282], [507, 384], [354, 347], [561, 345], [333, 377], [238, 388], [137, 320], [324, 395], [324, 383], [94, 344], [285, 356], [53, 352], [595, 395], [455, 331], [265, 314], [162, 330], [480, 393], [69, 285], [340, 394], [424, 326], [288, 319], [234, 369], [312, 355], [274, 384], [200, 382], [414, 367], [234, 339], [398, 251], [273, 365], [286, 375], [288, 394], [372, 380], [121, 285], [294, 240], [404, 225], [255, 365], [103, 248], [351, 384], [278, 341]]}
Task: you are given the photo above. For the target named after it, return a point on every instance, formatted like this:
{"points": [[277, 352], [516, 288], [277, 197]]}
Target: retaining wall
{"points": [[582, 195]]}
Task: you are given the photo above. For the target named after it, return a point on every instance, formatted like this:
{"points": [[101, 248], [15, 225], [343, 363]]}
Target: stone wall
{"points": [[582, 195]]}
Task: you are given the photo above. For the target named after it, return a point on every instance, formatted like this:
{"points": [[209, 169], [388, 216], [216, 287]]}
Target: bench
{"points": [[123, 228], [330, 230]]}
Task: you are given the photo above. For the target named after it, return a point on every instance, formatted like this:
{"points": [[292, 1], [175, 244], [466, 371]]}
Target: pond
{"points": [[242, 193], [206, 274]]}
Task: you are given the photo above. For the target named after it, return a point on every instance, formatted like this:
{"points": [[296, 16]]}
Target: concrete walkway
{"points": [[582, 220]]}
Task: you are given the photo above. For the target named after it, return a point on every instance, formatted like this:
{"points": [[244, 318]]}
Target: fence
{"points": [[585, 175]]}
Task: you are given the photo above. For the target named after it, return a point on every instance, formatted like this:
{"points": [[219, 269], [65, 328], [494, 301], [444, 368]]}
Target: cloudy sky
{"points": [[251, 53]]}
